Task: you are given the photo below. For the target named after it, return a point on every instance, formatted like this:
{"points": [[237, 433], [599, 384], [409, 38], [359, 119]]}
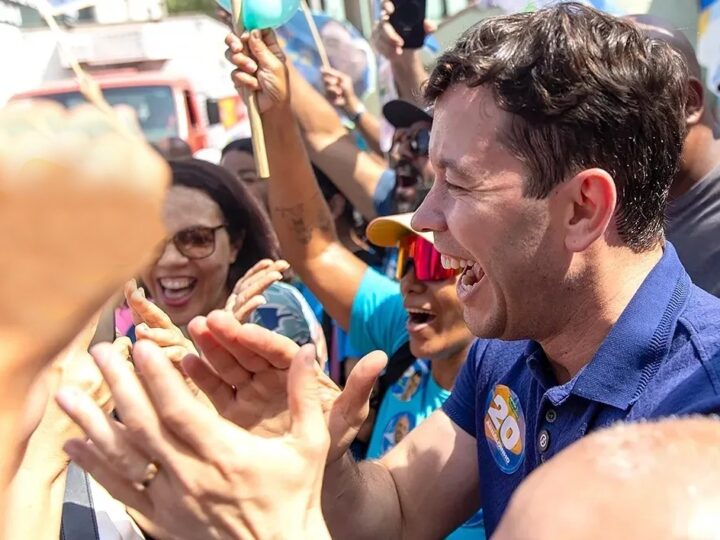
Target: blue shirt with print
{"points": [[507, 397], [378, 322]]}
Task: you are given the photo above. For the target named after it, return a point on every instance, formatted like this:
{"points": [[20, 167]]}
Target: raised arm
{"points": [[333, 148], [301, 218], [339, 90], [408, 70]]}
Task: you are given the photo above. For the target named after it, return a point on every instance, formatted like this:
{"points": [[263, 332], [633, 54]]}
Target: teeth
{"points": [[451, 263], [176, 283], [419, 311]]}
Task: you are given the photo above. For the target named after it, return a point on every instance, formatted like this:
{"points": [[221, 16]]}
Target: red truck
{"points": [[166, 106]]}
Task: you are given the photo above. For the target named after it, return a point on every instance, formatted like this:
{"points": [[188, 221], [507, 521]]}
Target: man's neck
{"points": [[697, 163], [595, 310], [445, 370]]}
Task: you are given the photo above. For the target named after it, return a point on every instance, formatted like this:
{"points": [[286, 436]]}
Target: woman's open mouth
{"points": [[176, 291]]}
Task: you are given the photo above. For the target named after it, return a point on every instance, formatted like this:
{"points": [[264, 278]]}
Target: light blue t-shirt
{"points": [[378, 322]]}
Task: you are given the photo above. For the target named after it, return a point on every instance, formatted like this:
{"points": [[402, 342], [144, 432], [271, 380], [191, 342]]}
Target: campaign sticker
{"points": [[505, 429], [396, 430]]}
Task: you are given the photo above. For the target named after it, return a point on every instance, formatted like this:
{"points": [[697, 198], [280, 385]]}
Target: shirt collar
{"points": [[625, 360]]}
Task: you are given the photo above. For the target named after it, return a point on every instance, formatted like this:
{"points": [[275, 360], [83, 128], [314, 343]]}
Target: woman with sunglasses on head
{"points": [[217, 232]]}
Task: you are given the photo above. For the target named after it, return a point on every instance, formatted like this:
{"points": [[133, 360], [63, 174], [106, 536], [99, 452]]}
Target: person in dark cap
{"points": [[409, 155], [693, 212]]}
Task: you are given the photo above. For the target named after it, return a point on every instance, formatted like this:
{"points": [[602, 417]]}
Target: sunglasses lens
{"points": [[196, 242], [421, 143], [427, 262]]}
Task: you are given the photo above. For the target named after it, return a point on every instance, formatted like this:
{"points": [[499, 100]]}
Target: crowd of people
{"points": [[504, 325]]}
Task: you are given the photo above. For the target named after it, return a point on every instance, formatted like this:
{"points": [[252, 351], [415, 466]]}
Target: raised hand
{"points": [[153, 324], [385, 38], [248, 380], [261, 68], [247, 293], [193, 474]]}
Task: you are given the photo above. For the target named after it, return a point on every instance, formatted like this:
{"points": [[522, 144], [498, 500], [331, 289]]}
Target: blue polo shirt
{"points": [[507, 397]]}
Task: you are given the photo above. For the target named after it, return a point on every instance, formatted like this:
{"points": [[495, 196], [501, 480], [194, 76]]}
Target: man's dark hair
{"points": [[584, 89]]}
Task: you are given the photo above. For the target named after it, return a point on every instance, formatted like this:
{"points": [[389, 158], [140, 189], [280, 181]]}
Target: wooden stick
{"points": [[315, 34], [256, 126]]}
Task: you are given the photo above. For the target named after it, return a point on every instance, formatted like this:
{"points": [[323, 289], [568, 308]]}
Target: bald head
{"points": [[657, 28], [641, 481]]}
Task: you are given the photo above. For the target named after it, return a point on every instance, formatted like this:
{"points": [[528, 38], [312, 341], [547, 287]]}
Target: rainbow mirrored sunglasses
{"points": [[415, 250]]}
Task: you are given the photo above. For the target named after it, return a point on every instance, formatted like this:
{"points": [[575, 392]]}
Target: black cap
{"points": [[402, 114]]}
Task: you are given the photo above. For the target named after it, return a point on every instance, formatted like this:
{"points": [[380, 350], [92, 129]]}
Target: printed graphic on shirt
{"points": [[408, 384], [397, 429], [505, 429]]}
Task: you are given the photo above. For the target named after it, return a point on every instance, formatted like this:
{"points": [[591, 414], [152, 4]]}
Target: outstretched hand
{"points": [[193, 474], [244, 372]]}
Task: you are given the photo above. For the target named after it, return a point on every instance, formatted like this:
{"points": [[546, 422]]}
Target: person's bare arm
{"points": [[340, 92], [301, 217], [408, 70], [425, 487], [332, 148]]}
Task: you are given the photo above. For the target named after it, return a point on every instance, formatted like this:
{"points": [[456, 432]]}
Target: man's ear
{"points": [[695, 102], [591, 201]]}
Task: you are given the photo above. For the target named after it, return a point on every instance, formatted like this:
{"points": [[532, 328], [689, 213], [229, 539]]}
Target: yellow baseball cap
{"points": [[387, 231]]}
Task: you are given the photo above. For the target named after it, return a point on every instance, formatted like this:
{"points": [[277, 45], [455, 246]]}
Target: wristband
{"points": [[358, 113]]}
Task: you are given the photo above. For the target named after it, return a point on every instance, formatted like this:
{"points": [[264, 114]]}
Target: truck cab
{"points": [[166, 107]]}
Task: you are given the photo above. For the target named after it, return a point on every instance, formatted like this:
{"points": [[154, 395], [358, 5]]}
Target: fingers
{"points": [[429, 26], [172, 401], [91, 460], [243, 81], [220, 394], [353, 401], [255, 348], [260, 44], [308, 421], [123, 346], [131, 400], [243, 312], [148, 312], [162, 337], [109, 439], [217, 355]]}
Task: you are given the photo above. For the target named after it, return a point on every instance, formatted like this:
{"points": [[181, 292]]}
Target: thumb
{"points": [[354, 398], [306, 412], [261, 49]]}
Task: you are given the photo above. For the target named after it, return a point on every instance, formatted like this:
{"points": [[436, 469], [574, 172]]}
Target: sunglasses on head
{"points": [[422, 255], [196, 242]]}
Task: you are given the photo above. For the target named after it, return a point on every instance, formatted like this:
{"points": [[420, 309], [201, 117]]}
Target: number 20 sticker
{"points": [[505, 429]]}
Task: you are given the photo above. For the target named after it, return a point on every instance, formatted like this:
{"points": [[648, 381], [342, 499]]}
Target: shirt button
{"points": [[543, 440], [550, 416]]}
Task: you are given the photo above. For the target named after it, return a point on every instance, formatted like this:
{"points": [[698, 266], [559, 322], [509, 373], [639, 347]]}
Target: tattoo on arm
{"points": [[306, 218]]}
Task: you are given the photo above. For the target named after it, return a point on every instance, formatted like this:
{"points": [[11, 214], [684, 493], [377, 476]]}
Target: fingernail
{"points": [[67, 398], [72, 447], [142, 292]]}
